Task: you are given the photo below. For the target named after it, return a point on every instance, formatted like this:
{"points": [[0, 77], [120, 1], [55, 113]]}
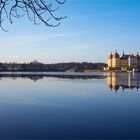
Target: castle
{"points": [[124, 62]]}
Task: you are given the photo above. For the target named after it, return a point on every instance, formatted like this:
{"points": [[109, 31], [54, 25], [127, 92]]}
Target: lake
{"points": [[69, 105]]}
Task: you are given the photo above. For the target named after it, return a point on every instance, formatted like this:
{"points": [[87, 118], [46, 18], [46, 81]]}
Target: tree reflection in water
{"points": [[38, 76]]}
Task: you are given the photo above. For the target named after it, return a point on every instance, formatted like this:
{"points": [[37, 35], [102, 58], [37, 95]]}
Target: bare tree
{"points": [[37, 11]]}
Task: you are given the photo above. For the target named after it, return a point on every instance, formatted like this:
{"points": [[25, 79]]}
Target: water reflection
{"points": [[38, 76], [128, 80], [116, 81]]}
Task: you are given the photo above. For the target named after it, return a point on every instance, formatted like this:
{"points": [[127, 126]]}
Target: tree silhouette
{"points": [[37, 11]]}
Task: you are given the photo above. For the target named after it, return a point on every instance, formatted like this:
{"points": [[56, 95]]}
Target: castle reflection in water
{"points": [[128, 80]]}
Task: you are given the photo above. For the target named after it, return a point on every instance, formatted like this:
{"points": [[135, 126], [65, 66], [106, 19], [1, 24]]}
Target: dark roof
{"points": [[116, 55], [125, 56], [132, 56], [110, 56]]}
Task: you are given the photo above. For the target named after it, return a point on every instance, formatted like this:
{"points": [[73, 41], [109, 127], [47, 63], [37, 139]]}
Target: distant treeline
{"points": [[36, 66]]}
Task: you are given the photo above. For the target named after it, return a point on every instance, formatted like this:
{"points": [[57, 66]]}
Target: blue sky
{"points": [[92, 29]]}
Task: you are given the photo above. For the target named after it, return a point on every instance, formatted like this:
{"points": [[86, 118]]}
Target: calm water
{"points": [[104, 105]]}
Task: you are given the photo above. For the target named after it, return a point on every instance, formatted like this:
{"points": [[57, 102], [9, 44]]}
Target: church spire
{"points": [[138, 54], [123, 53]]}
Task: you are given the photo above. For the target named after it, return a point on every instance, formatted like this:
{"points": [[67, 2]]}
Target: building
{"points": [[124, 62]]}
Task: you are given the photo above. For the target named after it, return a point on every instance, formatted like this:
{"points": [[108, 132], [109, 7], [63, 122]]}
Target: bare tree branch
{"points": [[38, 11]]}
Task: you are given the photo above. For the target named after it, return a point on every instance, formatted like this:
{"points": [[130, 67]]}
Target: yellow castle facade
{"points": [[124, 62]]}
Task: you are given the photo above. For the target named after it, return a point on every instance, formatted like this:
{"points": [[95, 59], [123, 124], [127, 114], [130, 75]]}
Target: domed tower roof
{"points": [[110, 56], [116, 55]]}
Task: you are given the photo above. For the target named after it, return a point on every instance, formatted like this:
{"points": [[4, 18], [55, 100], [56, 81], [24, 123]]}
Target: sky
{"points": [[92, 29]]}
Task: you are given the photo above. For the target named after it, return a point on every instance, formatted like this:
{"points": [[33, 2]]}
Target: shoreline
{"points": [[86, 71]]}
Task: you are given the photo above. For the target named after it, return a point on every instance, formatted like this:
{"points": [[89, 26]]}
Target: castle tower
{"points": [[116, 60], [110, 60]]}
